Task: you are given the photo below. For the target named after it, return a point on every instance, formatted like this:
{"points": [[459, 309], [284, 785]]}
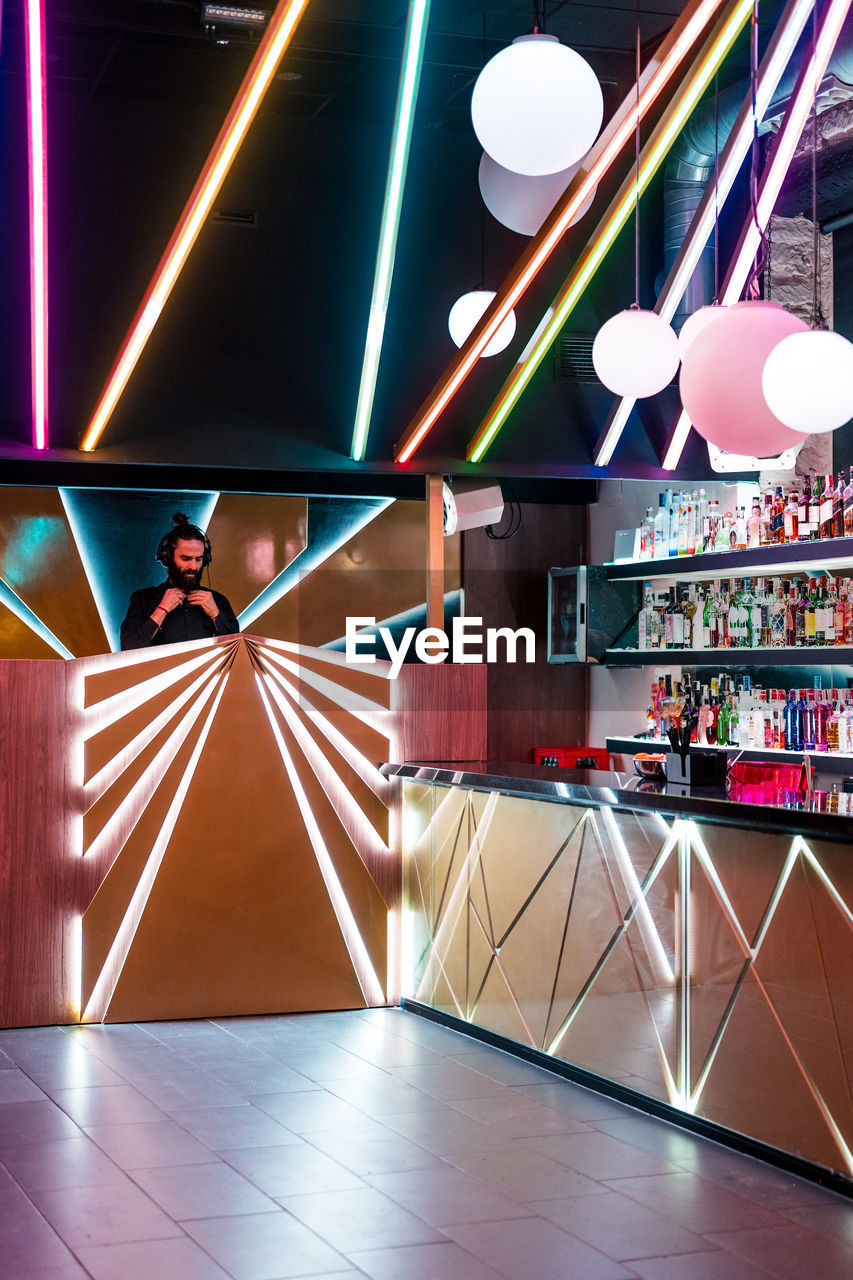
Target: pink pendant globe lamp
{"points": [[521, 202], [721, 379]]}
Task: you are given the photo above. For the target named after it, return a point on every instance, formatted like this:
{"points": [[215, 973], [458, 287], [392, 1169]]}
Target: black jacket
{"points": [[187, 622]]}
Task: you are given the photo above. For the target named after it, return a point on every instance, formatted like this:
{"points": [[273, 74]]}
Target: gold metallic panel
{"points": [[40, 562], [701, 965], [254, 538]]}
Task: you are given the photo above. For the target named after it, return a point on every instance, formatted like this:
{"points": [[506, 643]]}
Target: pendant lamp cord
{"points": [[637, 177], [752, 289], [539, 17], [818, 318], [716, 191]]}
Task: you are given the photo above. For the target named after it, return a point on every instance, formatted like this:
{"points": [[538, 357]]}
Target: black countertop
{"points": [[806, 816]]}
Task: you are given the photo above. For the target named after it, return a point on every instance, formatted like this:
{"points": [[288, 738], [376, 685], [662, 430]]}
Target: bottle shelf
{"points": [[825, 656], [804, 558], [823, 761]]}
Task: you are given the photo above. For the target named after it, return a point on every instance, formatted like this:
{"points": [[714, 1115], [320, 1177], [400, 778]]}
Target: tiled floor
{"points": [[366, 1144]]}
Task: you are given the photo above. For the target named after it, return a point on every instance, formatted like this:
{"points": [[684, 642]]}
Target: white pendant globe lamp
{"points": [[537, 106], [808, 381], [635, 353], [522, 202], [466, 313], [696, 323]]}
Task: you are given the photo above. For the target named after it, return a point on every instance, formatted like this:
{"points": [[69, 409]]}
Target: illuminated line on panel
{"points": [[75, 966], [836, 896], [37, 157], [15, 604], [108, 978], [716, 192], [276, 38], [413, 52], [463, 880], [701, 73], [685, 1002], [124, 818], [102, 714], [661, 967], [722, 896], [354, 820], [92, 574], [381, 669], [682, 35], [370, 713], [770, 910], [497, 959], [306, 562], [358, 762], [658, 864], [781, 156], [106, 776], [362, 966]]}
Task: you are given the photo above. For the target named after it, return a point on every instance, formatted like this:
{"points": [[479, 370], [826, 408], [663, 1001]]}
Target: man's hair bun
{"points": [[180, 518]]}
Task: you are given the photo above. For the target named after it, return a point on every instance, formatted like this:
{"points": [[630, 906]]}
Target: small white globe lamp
{"points": [[695, 323], [537, 106], [521, 202], [465, 313], [808, 381], [635, 353]]}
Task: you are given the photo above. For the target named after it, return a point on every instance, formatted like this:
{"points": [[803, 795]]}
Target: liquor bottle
{"points": [[709, 524], [678, 621], [691, 529], [643, 621], [723, 721], [752, 614], [740, 542], [804, 511], [790, 518], [672, 540], [848, 507], [814, 511], [832, 610], [734, 614], [709, 619], [701, 508], [722, 612], [777, 519], [778, 611], [826, 508], [666, 619], [847, 606], [753, 525], [793, 737], [818, 598], [810, 626], [733, 732], [661, 547], [681, 546], [838, 507], [690, 607], [647, 535], [765, 535], [844, 727], [832, 734], [800, 619]]}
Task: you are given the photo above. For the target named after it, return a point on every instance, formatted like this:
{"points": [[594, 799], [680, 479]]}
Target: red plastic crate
{"points": [[572, 757]]}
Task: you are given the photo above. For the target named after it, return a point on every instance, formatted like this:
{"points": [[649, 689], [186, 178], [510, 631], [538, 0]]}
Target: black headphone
{"points": [[182, 531]]}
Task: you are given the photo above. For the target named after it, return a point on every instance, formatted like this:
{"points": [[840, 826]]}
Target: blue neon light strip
{"points": [[15, 604], [413, 53]]}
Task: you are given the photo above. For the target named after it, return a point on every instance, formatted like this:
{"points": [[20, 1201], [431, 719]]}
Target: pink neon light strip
{"points": [[38, 215], [793, 124]]}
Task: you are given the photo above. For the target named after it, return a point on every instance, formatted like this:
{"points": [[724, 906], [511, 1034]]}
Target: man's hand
{"points": [[204, 600], [171, 598]]}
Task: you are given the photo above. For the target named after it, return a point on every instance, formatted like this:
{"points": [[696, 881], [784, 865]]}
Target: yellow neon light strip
{"points": [[771, 183], [281, 27], [716, 192], [694, 85], [684, 33]]}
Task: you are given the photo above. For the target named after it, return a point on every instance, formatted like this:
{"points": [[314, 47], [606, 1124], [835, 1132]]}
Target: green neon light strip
{"points": [[413, 54], [574, 288]]}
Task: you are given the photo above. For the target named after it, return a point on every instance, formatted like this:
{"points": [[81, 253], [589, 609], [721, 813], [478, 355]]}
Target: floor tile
{"points": [[104, 1214], [290, 1170], [518, 1116], [524, 1174], [385, 1098], [305, 1112], [790, 1253], [830, 1219], [190, 1087], [718, 1265], [24, 1123], [424, 1262], [597, 1155], [149, 1146], [202, 1191], [360, 1219], [70, 1162], [619, 1227], [655, 1136], [449, 1080], [444, 1195], [574, 1100], [221, 1128], [106, 1104], [444, 1132], [371, 1151], [265, 1246], [27, 1242], [695, 1203], [179, 1259], [17, 1087], [532, 1249]]}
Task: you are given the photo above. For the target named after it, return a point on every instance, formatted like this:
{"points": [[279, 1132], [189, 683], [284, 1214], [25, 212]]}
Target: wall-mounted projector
{"points": [[471, 504]]}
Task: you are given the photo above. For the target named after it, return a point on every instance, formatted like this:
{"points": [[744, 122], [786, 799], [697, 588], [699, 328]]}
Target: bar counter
{"points": [[689, 953], [621, 789]]}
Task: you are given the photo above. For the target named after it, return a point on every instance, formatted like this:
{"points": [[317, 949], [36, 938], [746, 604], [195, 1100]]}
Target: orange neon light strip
{"points": [[281, 27], [676, 44]]}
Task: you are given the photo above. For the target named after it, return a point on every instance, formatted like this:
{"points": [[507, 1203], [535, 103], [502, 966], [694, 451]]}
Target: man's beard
{"points": [[188, 580]]}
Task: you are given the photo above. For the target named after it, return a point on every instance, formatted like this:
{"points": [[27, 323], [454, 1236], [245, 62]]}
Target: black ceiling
{"points": [[256, 360]]}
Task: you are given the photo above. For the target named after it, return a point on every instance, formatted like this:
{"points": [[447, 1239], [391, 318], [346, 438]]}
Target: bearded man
{"points": [[180, 608]]}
